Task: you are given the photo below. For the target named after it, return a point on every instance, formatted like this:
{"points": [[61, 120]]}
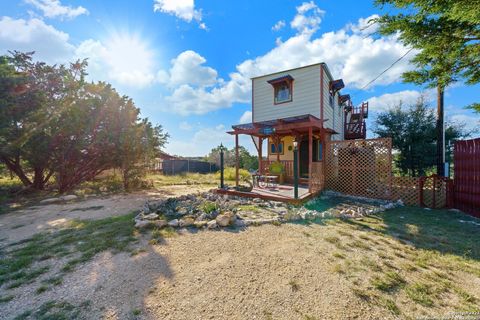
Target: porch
{"points": [[304, 135], [283, 193]]}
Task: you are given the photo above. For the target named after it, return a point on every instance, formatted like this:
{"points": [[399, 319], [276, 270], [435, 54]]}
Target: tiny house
{"points": [[302, 108]]}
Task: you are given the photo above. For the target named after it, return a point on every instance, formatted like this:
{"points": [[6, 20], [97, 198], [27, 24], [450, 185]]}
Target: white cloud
{"points": [[124, 59], [279, 25], [196, 89], [187, 68], [182, 9], [365, 26], [201, 143], [54, 9], [187, 100], [246, 117], [308, 18], [349, 53], [50, 45], [469, 120], [406, 97]]}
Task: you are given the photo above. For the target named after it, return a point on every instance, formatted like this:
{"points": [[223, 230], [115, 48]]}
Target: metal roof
{"points": [[269, 123], [280, 79]]}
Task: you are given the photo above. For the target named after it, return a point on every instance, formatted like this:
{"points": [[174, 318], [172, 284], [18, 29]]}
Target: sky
{"points": [[187, 64]]}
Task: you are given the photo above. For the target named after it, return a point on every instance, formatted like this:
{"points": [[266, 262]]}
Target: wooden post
{"points": [[260, 141], [237, 164], [298, 137], [277, 143], [310, 152]]}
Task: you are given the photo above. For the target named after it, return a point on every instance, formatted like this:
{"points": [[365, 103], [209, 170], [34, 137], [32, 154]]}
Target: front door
{"points": [[303, 157]]}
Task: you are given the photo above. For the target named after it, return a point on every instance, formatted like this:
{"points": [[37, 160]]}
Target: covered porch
{"points": [[304, 135]]}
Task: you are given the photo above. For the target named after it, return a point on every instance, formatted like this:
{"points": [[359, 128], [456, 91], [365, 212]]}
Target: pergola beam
{"points": [[237, 164]]}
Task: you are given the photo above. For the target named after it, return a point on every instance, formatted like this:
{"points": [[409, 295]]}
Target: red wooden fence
{"points": [[467, 176]]}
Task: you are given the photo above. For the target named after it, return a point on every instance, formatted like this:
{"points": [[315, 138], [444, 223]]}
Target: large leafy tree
{"points": [[54, 124], [245, 159], [32, 95], [412, 130], [446, 34]]}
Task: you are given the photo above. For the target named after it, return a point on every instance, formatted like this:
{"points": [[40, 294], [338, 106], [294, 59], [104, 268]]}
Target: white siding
{"points": [[305, 99], [332, 113]]}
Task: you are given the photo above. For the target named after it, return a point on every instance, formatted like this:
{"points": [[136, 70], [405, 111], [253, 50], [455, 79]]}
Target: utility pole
{"points": [[440, 132]]}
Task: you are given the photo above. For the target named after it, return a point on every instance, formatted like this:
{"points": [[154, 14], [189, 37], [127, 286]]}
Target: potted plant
{"points": [[278, 169]]}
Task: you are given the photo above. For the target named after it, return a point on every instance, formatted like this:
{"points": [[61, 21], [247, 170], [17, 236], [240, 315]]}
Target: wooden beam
{"points": [[260, 142], [314, 123], [237, 164], [310, 154]]}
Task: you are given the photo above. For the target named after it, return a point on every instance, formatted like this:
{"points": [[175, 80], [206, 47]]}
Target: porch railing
{"points": [[288, 164]]}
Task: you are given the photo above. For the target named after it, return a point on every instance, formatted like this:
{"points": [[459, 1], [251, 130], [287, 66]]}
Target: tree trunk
{"points": [[38, 179], [440, 164], [16, 168]]}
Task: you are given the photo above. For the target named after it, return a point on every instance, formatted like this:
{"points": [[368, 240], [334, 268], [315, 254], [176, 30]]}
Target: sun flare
{"points": [[130, 57]]}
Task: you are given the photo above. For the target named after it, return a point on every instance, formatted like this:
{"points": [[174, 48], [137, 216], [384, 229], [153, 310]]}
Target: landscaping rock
{"points": [[186, 222], [50, 200], [200, 224], [226, 219], [146, 208], [142, 224], [188, 210], [173, 223], [69, 197], [160, 223], [212, 224], [151, 216]]}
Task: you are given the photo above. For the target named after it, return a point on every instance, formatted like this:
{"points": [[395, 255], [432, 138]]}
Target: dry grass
{"points": [[413, 262]]}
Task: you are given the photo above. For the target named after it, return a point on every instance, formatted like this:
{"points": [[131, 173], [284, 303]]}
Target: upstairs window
{"points": [[282, 89], [283, 93]]}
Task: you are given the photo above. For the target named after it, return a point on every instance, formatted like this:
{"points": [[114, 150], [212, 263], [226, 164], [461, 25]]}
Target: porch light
{"points": [[295, 144]]}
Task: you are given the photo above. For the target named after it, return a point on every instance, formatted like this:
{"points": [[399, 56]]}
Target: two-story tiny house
{"points": [[304, 105]]}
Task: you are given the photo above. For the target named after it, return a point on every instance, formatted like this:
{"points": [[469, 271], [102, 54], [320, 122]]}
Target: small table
{"points": [[264, 181]]}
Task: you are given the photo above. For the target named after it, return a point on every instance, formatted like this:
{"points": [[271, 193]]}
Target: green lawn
{"points": [[411, 261]]}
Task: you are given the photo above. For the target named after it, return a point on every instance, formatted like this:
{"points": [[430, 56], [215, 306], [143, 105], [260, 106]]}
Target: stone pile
{"points": [[213, 211]]}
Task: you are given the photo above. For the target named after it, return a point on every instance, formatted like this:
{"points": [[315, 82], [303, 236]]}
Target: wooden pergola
{"points": [[297, 127]]}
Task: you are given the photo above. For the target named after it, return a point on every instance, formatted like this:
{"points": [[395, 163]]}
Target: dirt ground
{"points": [[267, 272], [290, 271], [24, 223]]}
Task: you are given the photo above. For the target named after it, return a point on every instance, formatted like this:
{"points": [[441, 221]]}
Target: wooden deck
{"points": [[282, 193]]}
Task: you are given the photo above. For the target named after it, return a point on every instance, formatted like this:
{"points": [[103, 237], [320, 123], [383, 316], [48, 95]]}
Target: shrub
{"points": [[229, 174], [208, 207], [277, 167]]}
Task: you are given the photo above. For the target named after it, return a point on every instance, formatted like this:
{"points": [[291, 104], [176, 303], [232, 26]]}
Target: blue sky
{"points": [[187, 63]]}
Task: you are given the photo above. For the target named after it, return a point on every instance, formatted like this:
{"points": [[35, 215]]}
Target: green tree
{"points": [[412, 130], [446, 34], [31, 96], [245, 159], [54, 124]]}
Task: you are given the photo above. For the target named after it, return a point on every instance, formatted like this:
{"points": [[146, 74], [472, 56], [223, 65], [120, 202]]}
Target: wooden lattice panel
{"points": [[317, 180], [435, 193], [359, 167], [406, 189]]}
